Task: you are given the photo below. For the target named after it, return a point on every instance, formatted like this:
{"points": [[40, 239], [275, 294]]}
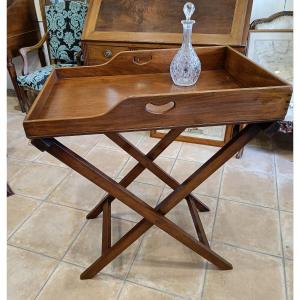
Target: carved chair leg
{"points": [[21, 95]]}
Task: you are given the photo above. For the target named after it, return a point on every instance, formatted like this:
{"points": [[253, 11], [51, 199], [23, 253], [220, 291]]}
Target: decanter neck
{"points": [[187, 32]]}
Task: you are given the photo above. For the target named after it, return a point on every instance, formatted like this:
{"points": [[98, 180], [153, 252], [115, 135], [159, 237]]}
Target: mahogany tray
{"points": [[134, 91]]}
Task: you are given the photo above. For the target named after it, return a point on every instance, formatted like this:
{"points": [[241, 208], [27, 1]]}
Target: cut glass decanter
{"points": [[185, 67]]}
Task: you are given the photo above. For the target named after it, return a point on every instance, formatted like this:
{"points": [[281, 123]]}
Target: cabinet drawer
{"points": [[98, 54]]}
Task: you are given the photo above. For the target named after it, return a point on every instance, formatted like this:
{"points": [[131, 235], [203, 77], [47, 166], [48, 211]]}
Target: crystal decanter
{"points": [[186, 66]]}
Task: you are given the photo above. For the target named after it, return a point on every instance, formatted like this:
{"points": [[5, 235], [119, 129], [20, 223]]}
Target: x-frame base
{"points": [[151, 216]]}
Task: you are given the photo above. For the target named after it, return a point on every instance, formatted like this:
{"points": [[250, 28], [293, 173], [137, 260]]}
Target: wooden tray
{"points": [[134, 91]]}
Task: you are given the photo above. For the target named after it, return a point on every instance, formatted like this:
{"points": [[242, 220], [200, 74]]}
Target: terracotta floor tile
{"points": [[249, 187], [285, 192], [249, 227], [137, 292], [37, 180], [78, 192], [18, 210], [183, 169], [87, 248], [286, 220], [26, 273], [165, 264], [49, 230], [254, 276], [66, 284]]}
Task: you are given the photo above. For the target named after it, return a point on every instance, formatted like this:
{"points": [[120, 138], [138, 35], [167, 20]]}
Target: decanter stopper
{"points": [[188, 10], [185, 67]]}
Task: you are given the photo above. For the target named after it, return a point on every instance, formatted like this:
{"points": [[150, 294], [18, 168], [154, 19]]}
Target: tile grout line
{"points": [[250, 204], [157, 290], [61, 259], [30, 215], [143, 237], [77, 235], [213, 229], [280, 230], [249, 250], [22, 223]]}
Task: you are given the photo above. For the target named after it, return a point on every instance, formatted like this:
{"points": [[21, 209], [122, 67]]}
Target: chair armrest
{"points": [[25, 50]]}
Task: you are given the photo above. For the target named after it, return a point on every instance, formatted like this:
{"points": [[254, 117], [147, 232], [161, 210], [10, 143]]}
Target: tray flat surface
{"points": [[105, 92]]}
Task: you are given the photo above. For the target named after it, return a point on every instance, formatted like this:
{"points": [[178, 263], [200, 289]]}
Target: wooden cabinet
{"points": [[115, 26]]}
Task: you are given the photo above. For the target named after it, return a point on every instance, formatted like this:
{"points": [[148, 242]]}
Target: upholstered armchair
{"points": [[64, 24]]}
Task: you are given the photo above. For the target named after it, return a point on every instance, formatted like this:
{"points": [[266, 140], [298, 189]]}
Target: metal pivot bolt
{"points": [[107, 53]]}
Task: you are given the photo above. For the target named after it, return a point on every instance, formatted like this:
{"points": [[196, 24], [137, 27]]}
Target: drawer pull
{"points": [[107, 53], [159, 109], [142, 60]]}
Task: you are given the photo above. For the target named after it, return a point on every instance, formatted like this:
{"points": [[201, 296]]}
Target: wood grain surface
{"points": [[115, 96]]}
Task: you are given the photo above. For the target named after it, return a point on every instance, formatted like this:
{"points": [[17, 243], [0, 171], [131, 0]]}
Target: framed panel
{"points": [[218, 22], [212, 136]]}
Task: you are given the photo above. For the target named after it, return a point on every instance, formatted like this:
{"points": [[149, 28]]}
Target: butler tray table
{"points": [[134, 91]]}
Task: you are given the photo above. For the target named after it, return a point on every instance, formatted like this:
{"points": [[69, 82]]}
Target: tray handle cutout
{"points": [[142, 60], [159, 109]]}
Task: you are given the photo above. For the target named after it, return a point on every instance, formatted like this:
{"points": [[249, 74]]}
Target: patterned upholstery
{"points": [[36, 79], [65, 23]]}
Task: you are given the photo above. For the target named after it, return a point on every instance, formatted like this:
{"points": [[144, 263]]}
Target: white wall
{"points": [[266, 8]]}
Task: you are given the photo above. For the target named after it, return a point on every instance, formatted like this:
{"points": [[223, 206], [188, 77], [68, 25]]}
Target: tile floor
{"points": [[50, 242]]}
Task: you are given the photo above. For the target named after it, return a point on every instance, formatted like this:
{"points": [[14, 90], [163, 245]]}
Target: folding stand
{"points": [[151, 216]]}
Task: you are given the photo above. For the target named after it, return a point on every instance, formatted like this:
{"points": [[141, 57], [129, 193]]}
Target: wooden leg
{"points": [[22, 98], [197, 222], [151, 216], [216, 161], [139, 168], [106, 227], [147, 163], [9, 191]]}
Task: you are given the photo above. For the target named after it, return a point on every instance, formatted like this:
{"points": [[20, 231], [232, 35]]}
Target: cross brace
{"points": [[151, 216]]}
